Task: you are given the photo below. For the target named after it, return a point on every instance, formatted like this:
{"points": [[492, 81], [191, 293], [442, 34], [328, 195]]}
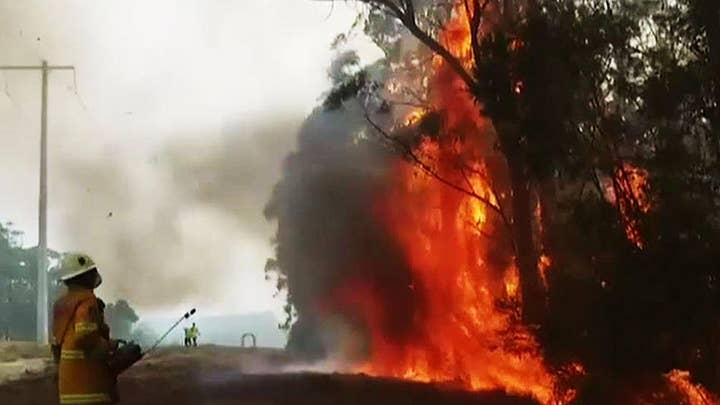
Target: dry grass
{"points": [[13, 351]]}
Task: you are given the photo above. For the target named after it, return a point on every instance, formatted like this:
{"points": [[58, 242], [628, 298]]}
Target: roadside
{"points": [[19, 360], [217, 375]]}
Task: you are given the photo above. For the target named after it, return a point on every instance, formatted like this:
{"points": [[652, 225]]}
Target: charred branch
{"points": [[408, 151], [405, 12]]}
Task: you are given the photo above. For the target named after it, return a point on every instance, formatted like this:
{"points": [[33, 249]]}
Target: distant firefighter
{"points": [[188, 337], [81, 341], [194, 334]]}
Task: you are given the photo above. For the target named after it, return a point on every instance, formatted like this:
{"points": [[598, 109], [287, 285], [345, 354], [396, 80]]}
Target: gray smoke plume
{"points": [[166, 228], [186, 221], [329, 236]]}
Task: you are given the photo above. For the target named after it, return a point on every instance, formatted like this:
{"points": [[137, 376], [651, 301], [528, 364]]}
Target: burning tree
{"points": [[546, 148], [482, 61], [512, 58]]}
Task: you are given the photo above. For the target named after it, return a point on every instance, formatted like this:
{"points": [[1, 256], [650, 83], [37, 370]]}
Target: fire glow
{"points": [[693, 393], [462, 328], [630, 183], [459, 335]]}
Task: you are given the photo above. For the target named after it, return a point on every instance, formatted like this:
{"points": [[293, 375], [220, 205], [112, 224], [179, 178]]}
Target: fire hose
{"points": [[129, 353]]}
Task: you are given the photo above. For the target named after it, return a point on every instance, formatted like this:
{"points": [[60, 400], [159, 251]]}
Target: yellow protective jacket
{"points": [[83, 373]]}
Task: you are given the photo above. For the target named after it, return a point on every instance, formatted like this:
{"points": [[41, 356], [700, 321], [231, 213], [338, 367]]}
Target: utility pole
{"points": [[42, 260]]}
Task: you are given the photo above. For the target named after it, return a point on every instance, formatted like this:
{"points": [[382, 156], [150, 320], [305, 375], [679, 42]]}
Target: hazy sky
{"points": [[183, 113]]}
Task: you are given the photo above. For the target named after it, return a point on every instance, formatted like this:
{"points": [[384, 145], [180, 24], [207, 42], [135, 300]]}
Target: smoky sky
{"points": [[172, 227], [166, 142]]}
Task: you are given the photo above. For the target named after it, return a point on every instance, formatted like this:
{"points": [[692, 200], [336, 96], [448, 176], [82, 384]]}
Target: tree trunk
{"points": [[547, 197], [533, 296]]}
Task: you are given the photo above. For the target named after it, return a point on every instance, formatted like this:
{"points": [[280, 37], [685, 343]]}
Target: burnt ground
{"points": [[219, 375]]}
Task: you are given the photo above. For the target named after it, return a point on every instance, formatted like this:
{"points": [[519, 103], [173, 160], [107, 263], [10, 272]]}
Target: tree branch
{"points": [[500, 210], [410, 9], [389, 5], [408, 151], [408, 103], [407, 18], [474, 18]]}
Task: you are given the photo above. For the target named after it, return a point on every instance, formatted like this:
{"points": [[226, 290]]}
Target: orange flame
{"points": [[544, 264], [695, 394], [413, 117], [459, 333], [632, 183]]}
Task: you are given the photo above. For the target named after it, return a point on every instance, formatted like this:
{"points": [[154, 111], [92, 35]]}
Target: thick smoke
{"points": [[331, 239], [167, 228], [186, 220]]}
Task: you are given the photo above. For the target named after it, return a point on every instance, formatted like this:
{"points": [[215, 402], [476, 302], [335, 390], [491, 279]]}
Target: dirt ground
{"points": [[213, 375]]}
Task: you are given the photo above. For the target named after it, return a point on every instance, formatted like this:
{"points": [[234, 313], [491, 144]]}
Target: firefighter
{"points": [[194, 333], [80, 341], [188, 336]]}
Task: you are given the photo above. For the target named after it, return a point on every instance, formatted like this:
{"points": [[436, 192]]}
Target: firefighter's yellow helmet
{"points": [[75, 264]]}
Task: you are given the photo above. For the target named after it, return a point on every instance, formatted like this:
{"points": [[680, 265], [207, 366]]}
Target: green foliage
{"points": [[345, 90], [18, 279]]}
